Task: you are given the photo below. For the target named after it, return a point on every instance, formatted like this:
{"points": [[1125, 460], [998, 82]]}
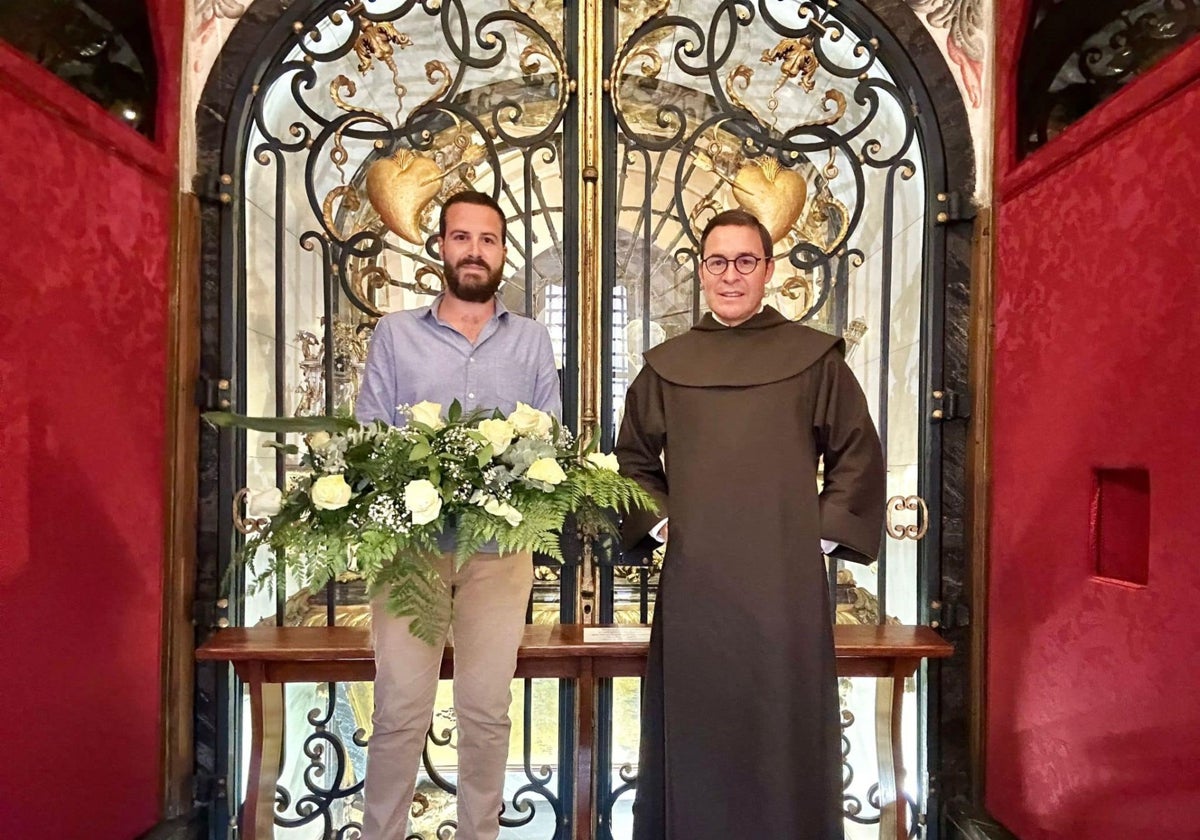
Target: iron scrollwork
{"points": [[787, 111], [367, 121], [1076, 54]]}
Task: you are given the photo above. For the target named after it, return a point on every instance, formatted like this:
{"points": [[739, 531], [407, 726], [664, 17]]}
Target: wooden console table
{"points": [[268, 657]]}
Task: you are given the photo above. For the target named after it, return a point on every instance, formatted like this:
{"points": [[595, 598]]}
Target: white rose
{"points": [[547, 470], [318, 440], [260, 503], [499, 433], [527, 420], [503, 510], [330, 492], [423, 501], [428, 413], [603, 461]]}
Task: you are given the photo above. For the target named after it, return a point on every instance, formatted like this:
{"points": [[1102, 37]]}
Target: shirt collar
{"points": [[722, 323], [434, 308]]}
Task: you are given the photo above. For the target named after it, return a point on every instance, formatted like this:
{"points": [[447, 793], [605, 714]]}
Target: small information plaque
{"points": [[610, 635]]}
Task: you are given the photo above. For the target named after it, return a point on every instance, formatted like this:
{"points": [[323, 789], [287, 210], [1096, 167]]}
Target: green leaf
{"points": [[287, 448], [593, 442], [484, 456], [455, 412], [421, 449], [303, 425]]}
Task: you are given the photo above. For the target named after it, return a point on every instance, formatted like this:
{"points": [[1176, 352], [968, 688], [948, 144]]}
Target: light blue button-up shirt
{"points": [[414, 355]]}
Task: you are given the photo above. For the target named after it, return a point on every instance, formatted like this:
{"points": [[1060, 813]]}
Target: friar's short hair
{"points": [[737, 218], [477, 198]]}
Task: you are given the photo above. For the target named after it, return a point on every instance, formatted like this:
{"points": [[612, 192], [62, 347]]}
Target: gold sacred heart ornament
{"points": [[400, 187], [774, 194]]}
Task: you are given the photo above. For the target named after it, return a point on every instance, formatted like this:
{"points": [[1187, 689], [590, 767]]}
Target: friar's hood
{"points": [[763, 349]]}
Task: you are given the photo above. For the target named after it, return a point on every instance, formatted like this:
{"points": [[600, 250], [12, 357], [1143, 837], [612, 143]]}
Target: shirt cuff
{"points": [[656, 531], [827, 546]]}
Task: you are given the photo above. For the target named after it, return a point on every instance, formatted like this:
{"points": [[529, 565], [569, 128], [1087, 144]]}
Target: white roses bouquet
{"points": [[375, 499]]}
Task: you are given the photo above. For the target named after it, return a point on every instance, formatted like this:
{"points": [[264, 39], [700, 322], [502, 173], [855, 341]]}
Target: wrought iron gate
{"points": [[609, 132]]}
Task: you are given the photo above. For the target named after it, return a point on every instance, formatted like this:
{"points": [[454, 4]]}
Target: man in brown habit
{"points": [[740, 735]]}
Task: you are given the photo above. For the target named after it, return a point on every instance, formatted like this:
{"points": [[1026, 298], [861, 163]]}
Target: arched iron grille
{"points": [[1078, 53], [706, 107], [788, 110], [102, 48]]}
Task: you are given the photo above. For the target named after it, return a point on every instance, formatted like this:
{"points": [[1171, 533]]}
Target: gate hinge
{"points": [[949, 405], [954, 207], [947, 615], [212, 394], [204, 615], [214, 189], [208, 615]]}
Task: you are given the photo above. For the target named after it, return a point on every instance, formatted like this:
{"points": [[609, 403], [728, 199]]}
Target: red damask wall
{"points": [[85, 269], [1093, 722]]}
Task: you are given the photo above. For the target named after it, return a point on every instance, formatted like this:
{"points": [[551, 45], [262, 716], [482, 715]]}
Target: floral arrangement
{"points": [[374, 499]]}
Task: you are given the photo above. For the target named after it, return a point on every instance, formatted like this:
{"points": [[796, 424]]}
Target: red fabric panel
{"points": [[1093, 722], [85, 247]]}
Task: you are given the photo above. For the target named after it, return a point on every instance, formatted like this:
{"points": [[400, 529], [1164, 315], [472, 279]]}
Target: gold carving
{"points": [[433, 71], [590, 35], [349, 199], [632, 14], [798, 59], [815, 227], [799, 288], [347, 84], [774, 194], [368, 278], [739, 77], [245, 524], [548, 13], [897, 504], [651, 66], [427, 271], [400, 187], [838, 99], [375, 42]]}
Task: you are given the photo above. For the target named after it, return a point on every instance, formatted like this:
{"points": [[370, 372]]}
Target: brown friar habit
{"points": [[740, 735]]}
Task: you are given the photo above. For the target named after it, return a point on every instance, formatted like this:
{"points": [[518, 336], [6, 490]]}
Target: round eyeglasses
{"points": [[745, 264]]}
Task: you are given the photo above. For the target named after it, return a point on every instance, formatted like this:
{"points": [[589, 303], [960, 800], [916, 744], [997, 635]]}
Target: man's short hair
{"points": [[473, 197], [737, 218]]}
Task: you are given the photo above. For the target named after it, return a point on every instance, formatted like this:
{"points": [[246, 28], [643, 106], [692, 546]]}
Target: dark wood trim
{"points": [[181, 482]]}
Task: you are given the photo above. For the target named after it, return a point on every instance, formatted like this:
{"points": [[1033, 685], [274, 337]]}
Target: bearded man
{"points": [[464, 346]]}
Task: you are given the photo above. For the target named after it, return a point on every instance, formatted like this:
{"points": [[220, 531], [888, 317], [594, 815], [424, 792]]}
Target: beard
{"points": [[472, 290]]}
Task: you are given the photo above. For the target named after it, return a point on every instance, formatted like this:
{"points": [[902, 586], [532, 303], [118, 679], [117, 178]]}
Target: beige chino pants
{"points": [[489, 596]]}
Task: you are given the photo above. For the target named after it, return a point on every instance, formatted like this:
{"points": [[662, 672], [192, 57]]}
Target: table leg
{"points": [[889, 702], [266, 753], [585, 734]]}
